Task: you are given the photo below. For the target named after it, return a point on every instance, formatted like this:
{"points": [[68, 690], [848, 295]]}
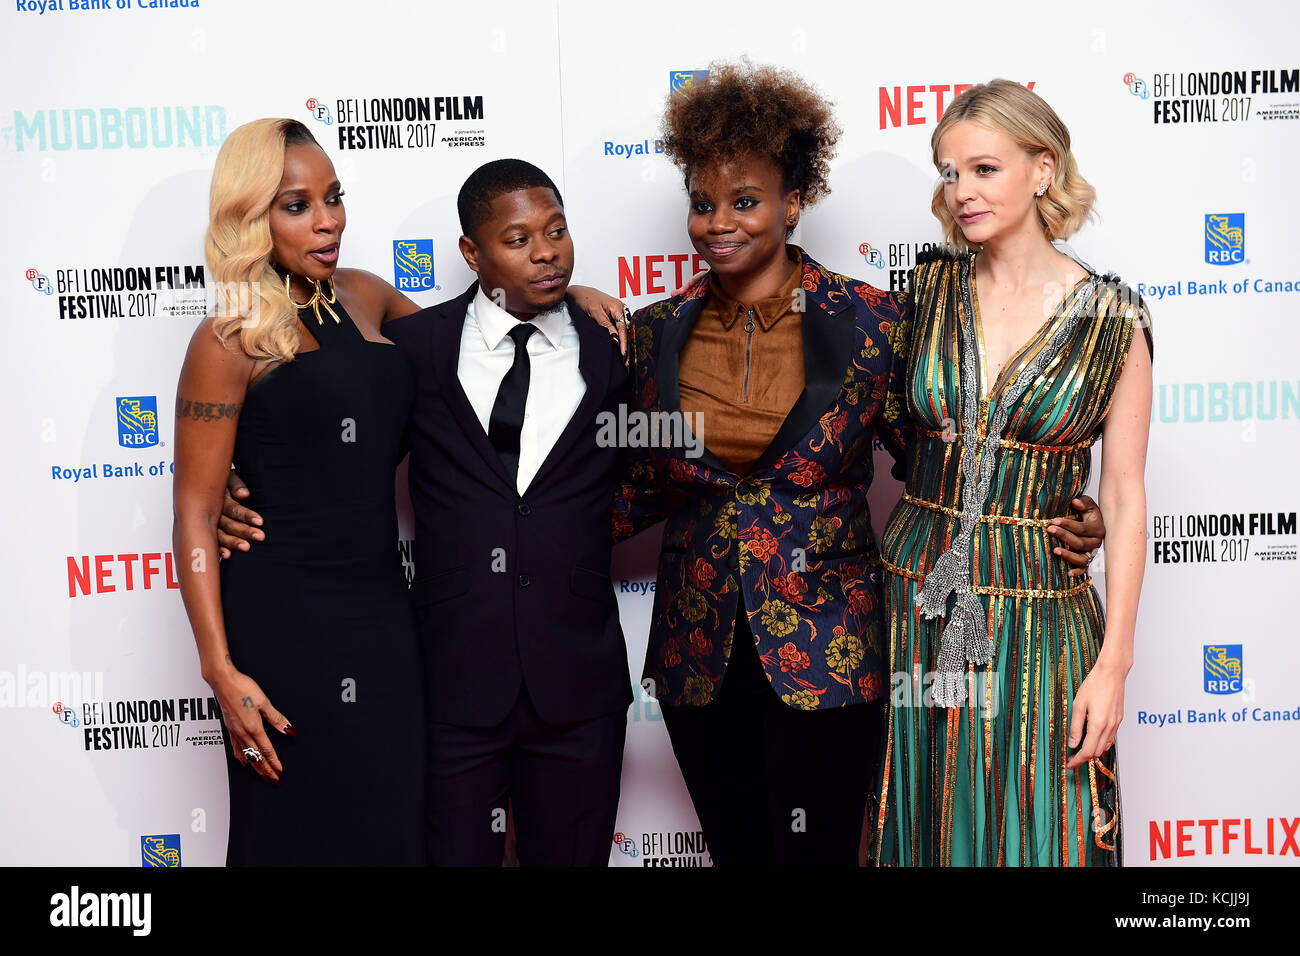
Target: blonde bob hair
{"points": [[1022, 114], [253, 308]]}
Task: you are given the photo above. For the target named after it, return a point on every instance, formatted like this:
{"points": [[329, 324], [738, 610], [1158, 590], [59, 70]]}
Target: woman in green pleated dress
{"points": [[1008, 677]]}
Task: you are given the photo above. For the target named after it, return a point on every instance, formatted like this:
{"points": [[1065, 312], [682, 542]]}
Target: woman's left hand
{"points": [[610, 314], [1099, 704]]}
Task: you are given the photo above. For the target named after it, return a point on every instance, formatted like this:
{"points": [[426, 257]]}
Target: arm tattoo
{"points": [[247, 702], [205, 411]]}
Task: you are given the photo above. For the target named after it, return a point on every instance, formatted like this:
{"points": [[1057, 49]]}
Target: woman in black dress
{"points": [[292, 381]]}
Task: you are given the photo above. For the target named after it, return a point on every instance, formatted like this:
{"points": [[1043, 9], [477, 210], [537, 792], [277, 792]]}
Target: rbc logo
{"points": [[626, 845], [872, 255], [1222, 668], [1225, 238], [320, 112], [413, 265], [39, 282], [66, 715], [1137, 86], [137, 421], [679, 81], [161, 850]]}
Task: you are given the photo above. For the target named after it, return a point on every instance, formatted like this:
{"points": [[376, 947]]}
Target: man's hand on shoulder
{"points": [[238, 525], [1078, 540]]}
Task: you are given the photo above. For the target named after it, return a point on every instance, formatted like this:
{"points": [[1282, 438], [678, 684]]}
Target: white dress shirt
{"points": [[555, 385]]}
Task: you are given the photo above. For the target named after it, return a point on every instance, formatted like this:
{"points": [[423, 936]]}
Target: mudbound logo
{"points": [[161, 127], [137, 421], [1225, 238], [413, 265], [1222, 668]]}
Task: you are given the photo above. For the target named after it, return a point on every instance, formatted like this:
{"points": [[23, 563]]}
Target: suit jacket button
{"points": [[524, 580], [742, 488], [733, 560], [524, 509]]}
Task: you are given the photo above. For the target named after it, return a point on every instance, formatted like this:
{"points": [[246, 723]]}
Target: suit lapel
{"points": [[827, 345], [672, 339], [445, 359], [827, 353], [593, 363]]}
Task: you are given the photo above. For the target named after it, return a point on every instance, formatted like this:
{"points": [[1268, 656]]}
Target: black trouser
{"points": [[775, 786], [562, 782]]}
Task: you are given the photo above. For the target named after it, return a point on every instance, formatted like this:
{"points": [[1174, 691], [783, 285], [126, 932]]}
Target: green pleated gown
{"points": [[989, 637]]}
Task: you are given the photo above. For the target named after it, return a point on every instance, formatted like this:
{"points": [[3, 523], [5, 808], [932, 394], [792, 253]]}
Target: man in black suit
{"points": [[526, 670]]}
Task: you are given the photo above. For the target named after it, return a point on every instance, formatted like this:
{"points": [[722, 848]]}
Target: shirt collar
{"points": [[495, 323], [768, 311]]}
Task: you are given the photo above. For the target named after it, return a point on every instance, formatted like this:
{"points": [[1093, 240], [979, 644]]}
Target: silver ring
{"points": [[253, 754]]}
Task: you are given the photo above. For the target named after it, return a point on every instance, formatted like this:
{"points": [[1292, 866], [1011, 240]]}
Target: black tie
{"points": [[507, 417]]}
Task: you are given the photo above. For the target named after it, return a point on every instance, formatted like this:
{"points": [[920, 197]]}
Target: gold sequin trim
{"points": [[1079, 588], [985, 519], [1010, 443], [1093, 766]]}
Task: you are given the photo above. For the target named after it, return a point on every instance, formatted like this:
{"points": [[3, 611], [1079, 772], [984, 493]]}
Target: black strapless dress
{"points": [[318, 613]]}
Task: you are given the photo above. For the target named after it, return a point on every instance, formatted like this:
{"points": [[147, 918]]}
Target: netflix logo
{"points": [[656, 275], [107, 573], [919, 105], [1272, 836]]}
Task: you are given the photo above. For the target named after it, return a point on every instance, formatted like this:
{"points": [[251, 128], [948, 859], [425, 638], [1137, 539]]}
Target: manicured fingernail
{"points": [[288, 729]]}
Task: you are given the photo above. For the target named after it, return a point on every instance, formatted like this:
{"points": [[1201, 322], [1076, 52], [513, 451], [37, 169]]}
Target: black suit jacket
{"points": [[511, 588]]}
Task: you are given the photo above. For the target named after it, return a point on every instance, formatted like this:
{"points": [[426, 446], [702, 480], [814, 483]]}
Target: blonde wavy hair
{"points": [[1022, 114], [253, 309]]}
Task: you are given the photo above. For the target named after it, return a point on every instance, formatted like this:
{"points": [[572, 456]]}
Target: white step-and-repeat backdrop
{"points": [[1185, 116]]}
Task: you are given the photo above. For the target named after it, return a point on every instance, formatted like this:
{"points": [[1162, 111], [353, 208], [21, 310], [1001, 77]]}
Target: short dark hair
{"points": [[501, 176]]}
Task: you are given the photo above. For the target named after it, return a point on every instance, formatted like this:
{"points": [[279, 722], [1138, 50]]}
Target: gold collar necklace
{"points": [[317, 299]]}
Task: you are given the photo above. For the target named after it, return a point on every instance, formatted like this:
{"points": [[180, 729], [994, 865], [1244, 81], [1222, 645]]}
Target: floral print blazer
{"points": [[790, 541]]}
